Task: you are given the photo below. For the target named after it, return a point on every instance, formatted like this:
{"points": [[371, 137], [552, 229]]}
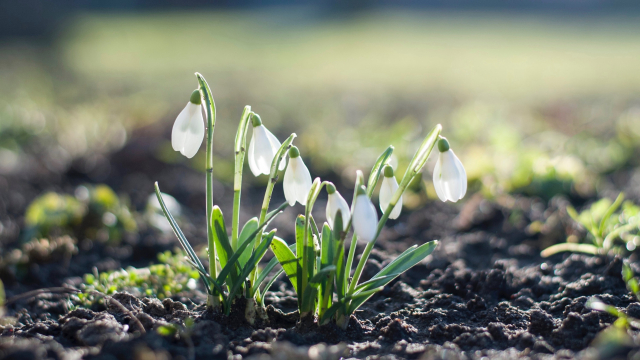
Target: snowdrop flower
{"points": [[334, 203], [387, 189], [188, 130], [262, 148], [297, 180], [365, 217], [449, 177]]}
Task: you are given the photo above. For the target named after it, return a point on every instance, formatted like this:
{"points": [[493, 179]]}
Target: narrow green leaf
{"points": [[374, 175], [268, 286], [232, 262], [557, 248], [421, 156], [321, 275], [250, 227], [259, 252], [327, 250], [402, 263], [287, 260], [300, 244], [221, 239], [191, 254], [331, 311], [360, 298], [616, 204], [265, 271]]}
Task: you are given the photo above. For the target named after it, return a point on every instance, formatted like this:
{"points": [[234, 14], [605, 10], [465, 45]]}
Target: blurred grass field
{"points": [[523, 98]]}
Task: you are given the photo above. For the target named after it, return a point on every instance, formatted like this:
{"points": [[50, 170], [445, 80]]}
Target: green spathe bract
{"points": [[316, 264]]}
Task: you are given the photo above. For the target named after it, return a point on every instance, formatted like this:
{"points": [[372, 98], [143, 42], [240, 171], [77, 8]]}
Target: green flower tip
{"points": [[195, 97], [294, 152], [443, 145], [361, 190], [331, 188], [255, 120], [388, 171]]}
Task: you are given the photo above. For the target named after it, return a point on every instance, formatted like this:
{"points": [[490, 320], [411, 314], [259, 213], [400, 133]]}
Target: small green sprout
{"points": [[619, 333], [95, 212], [609, 230], [166, 279]]}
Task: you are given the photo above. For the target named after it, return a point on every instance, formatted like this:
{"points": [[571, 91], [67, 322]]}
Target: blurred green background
{"points": [[532, 102]]}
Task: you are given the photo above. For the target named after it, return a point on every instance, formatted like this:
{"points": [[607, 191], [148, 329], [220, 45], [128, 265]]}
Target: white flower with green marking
{"points": [[365, 217], [297, 179], [188, 130], [336, 202], [387, 189], [449, 176], [262, 148]]}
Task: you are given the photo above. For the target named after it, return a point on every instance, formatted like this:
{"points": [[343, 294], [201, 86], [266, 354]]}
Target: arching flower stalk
{"points": [[449, 176], [188, 130]]}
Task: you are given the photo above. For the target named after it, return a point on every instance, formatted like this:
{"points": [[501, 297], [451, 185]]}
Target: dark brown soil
{"points": [[485, 293]]}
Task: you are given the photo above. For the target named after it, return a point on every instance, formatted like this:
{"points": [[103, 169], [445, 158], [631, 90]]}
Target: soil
{"points": [[485, 293]]}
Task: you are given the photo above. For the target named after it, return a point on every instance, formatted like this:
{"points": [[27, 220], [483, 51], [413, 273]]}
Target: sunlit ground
{"points": [[537, 104]]}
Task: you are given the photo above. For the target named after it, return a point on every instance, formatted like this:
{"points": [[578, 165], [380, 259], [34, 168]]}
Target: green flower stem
{"points": [[354, 239], [240, 151], [316, 187], [415, 166], [273, 178], [367, 250], [210, 109]]}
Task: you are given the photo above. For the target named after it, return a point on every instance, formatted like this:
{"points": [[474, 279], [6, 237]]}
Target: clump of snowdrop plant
{"points": [[317, 264]]}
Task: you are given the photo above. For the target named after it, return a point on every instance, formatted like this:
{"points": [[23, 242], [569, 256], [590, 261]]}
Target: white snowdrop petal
{"points": [[385, 193], [437, 180], [450, 177], [302, 180], [179, 126], [365, 218], [251, 156], [196, 135], [275, 146], [387, 189], [396, 210], [187, 133], [334, 203], [462, 176], [264, 152], [288, 185]]}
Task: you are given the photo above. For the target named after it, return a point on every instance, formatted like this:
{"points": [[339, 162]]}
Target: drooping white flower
{"points": [[365, 217], [387, 189], [336, 202], [188, 130], [297, 180], [262, 148], [449, 176]]}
